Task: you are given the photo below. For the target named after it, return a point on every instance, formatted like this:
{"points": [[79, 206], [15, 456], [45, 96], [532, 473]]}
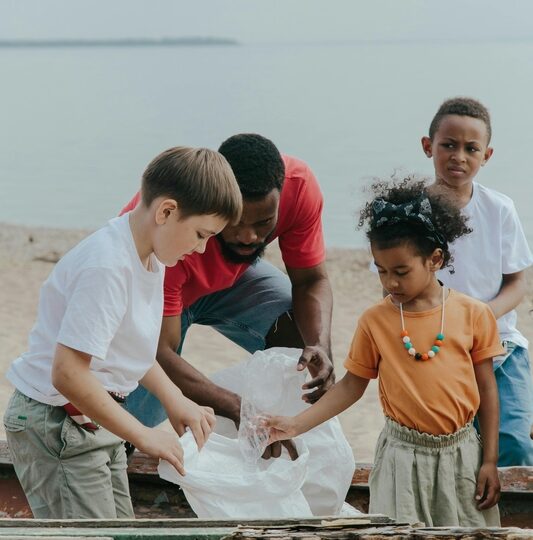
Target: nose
{"points": [[390, 284], [459, 155], [246, 235]]}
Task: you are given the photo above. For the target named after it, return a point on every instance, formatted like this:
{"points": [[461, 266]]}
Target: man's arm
{"points": [[510, 295], [312, 304], [192, 383]]}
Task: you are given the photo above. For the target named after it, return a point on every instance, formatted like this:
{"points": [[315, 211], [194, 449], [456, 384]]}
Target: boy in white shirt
{"points": [[95, 338], [489, 263]]}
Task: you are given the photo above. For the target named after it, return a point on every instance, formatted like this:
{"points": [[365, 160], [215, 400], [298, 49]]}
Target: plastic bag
{"points": [[269, 382], [218, 486]]}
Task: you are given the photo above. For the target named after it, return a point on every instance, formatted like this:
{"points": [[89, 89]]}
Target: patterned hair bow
{"points": [[418, 211]]}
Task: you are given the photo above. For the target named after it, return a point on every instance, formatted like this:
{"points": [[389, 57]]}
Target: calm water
{"points": [[79, 125]]}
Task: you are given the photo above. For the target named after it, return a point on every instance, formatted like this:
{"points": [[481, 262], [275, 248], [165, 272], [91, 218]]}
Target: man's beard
{"points": [[234, 257]]}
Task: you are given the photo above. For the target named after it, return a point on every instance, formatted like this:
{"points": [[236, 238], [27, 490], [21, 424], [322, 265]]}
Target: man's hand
{"points": [[321, 368], [488, 486], [200, 420], [161, 444]]}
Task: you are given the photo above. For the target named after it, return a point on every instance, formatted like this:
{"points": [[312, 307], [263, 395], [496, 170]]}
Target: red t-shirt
{"points": [[299, 229]]}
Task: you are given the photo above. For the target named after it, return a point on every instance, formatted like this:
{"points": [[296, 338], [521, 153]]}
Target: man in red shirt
{"points": [[230, 288]]}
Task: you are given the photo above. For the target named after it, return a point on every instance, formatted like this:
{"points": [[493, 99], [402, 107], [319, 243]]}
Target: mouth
{"points": [[244, 250], [456, 171]]}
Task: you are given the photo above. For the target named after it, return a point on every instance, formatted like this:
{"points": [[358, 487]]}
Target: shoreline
{"points": [[27, 254]]}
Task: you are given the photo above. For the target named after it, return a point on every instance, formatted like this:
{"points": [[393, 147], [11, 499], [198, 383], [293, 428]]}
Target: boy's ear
{"points": [[488, 153], [427, 146], [164, 209]]}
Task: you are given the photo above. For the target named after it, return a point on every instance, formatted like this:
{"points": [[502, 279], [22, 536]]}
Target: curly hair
{"points": [[256, 163], [446, 217], [461, 106]]}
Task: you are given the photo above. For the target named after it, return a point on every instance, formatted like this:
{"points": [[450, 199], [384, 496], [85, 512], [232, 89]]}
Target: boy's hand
{"points": [[488, 486], [281, 428], [200, 420], [162, 445]]}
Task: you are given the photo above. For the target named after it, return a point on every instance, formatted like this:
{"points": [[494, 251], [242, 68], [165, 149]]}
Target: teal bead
{"points": [[408, 345], [435, 349], [440, 336]]}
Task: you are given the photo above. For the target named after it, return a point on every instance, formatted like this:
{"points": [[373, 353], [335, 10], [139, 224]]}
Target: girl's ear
{"points": [[436, 259], [164, 210]]}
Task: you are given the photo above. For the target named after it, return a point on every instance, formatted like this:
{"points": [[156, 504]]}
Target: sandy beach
{"points": [[25, 255]]}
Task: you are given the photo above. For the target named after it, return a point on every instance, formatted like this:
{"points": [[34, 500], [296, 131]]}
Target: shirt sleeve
{"points": [[174, 279], [363, 357], [302, 246], [95, 308], [515, 249], [486, 342], [132, 204]]}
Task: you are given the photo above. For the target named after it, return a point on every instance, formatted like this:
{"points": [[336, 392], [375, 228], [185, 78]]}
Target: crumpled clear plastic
{"points": [[271, 382]]}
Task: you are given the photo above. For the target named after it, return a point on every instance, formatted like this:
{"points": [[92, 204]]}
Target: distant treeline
{"points": [[124, 42]]}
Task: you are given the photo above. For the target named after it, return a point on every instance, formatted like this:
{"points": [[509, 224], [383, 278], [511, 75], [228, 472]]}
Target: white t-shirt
{"points": [[100, 300], [496, 246]]}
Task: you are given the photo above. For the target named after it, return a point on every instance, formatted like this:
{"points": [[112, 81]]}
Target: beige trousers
{"points": [[431, 479], [66, 471]]}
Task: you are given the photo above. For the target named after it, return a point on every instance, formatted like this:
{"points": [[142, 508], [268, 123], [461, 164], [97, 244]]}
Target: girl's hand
{"points": [[200, 420], [281, 428], [488, 486], [163, 445]]}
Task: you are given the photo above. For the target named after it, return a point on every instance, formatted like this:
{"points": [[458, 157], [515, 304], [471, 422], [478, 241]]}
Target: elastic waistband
{"points": [[428, 440]]}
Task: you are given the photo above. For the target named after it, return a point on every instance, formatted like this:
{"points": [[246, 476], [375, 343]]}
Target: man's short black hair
{"points": [[256, 163]]}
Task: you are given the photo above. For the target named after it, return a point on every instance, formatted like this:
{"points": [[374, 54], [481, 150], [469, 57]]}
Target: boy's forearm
{"points": [[510, 295], [73, 379], [488, 412], [197, 387], [343, 394]]}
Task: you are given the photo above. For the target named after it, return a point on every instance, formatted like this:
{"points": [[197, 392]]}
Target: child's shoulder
{"points": [[493, 199], [377, 311], [106, 247], [458, 299]]}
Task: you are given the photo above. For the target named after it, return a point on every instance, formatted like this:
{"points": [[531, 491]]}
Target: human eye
{"points": [[200, 235], [473, 149], [447, 145], [400, 274]]}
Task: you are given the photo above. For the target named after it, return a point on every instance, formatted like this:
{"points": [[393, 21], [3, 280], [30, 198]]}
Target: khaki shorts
{"points": [[431, 479], [66, 471]]}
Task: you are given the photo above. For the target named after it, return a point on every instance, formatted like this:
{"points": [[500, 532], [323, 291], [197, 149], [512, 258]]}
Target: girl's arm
{"points": [[72, 377], [345, 393], [488, 483], [182, 412], [510, 295]]}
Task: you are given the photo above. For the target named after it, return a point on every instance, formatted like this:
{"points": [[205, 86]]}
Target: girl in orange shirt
{"points": [[432, 350]]}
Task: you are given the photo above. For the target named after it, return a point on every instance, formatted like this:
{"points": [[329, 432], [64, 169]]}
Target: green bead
{"points": [[435, 349], [440, 336], [408, 345]]}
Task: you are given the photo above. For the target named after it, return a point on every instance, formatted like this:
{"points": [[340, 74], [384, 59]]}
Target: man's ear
{"points": [[488, 153], [427, 145], [164, 210]]}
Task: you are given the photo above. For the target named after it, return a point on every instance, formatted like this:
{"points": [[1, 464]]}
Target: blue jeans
{"points": [[243, 313], [515, 388]]}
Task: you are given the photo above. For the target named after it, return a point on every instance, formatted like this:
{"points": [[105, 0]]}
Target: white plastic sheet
{"points": [[220, 483]]}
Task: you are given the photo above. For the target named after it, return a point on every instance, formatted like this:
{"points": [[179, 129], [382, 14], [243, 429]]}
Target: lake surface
{"points": [[78, 125]]}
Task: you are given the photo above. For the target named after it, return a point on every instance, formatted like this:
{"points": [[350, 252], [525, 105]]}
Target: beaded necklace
{"points": [[438, 340]]}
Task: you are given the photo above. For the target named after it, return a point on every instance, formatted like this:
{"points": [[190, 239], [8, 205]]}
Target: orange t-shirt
{"points": [[437, 396]]}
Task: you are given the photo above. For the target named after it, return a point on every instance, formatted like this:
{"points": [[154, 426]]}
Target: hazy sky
{"points": [[268, 20]]}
